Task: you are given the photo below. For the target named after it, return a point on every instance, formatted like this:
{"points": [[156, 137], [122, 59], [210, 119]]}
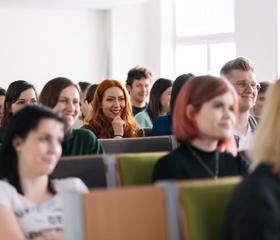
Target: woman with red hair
{"points": [[111, 116], [203, 120]]}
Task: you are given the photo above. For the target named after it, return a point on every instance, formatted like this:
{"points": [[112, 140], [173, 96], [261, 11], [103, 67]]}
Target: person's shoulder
{"points": [[175, 155], [5, 186], [82, 132], [7, 193], [142, 114], [70, 184], [261, 180], [164, 118]]}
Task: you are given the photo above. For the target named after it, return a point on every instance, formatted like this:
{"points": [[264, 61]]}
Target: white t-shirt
{"points": [[246, 141], [37, 218]]}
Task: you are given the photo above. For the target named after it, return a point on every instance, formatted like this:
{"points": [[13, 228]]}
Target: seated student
{"points": [[254, 209], [163, 124], [2, 100], [86, 107], [62, 95], [30, 204], [203, 121], [257, 109], [83, 90], [158, 104], [111, 116], [138, 85], [19, 94]]}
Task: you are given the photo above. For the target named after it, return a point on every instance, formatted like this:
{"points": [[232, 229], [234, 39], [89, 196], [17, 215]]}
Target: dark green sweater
{"points": [[81, 142]]}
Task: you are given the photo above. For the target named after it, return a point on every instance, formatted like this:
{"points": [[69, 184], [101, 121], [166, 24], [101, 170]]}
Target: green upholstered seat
{"points": [[134, 169], [204, 207]]}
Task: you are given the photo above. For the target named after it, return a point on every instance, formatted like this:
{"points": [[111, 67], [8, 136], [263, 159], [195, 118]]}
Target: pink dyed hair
{"points": [[197, 91]]}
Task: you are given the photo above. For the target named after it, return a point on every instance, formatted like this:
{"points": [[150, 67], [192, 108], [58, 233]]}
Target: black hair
{"points": [[90, 92], [177, 85], [83, 85], [264, 86], [21, 124], [154, 105]]}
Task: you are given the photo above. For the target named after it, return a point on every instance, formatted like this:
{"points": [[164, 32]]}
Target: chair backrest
{"points": [[141, 144], [89, 168], [203, 206], [136, 168], [148, 131]]}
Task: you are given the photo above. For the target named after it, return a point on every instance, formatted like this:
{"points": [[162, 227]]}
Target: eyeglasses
{"points": [[243, 85]]}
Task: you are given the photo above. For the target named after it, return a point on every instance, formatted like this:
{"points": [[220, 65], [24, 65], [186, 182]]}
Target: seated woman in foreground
{"points": [[30, 204], [63, 96], [203, 120], [111, 116], [254, 209]]}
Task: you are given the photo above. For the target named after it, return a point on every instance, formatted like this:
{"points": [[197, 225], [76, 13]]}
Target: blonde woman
{"points": [[254, 210]]}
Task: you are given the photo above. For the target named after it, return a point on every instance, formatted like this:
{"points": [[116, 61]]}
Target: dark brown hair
{"points": [[137, 73], [13, 93], [51, 91]]}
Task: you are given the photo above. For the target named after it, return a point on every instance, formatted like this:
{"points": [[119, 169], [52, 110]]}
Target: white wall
{"points": [[135, 39], [85, 45], [256, 35], [37, 45]]}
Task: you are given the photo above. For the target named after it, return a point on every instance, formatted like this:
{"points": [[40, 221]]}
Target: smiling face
{"points": [[39, 152], [215, 119], [248, 96], [68, 104], [113, 103], [26, 97], [139, 91]]}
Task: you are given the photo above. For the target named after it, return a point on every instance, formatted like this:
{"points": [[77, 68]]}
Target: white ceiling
{"points": [[68, 4]]}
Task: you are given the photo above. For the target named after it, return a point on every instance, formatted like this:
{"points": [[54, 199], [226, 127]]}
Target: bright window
{"points": [[204, 35]]}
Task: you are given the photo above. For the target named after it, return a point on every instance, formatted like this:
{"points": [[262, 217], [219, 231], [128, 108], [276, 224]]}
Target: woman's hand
{"points": [[86, 108], [118, 126]]}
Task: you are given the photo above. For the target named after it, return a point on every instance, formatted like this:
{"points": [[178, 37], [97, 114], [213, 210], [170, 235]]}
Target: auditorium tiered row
{"points": [[191, 210]]}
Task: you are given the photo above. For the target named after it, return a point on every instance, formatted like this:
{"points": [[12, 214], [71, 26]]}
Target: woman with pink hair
{"points": [[203, 120]]}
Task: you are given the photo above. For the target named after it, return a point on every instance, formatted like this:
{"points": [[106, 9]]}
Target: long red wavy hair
{"points": [[96, 119]]}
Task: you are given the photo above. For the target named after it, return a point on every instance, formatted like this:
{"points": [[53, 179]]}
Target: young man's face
{"points": [[246, 95], [139, 90]]}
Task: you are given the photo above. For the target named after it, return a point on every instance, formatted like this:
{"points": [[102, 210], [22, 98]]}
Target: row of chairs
{"points": [[192, 210], [140, 144], [109, 170]]}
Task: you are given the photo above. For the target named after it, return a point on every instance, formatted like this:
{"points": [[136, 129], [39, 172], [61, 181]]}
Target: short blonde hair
{"points": [[267, 138]]}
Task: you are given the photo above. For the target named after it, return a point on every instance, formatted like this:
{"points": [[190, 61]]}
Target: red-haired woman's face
{"points": [[215, 119], [113, 103]]}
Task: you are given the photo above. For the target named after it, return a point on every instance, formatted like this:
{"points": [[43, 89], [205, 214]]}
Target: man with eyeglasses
{"points": [[241, 73]]}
